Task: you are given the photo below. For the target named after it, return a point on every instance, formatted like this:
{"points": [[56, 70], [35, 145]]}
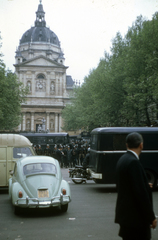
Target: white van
{"points": [[12, 147]]}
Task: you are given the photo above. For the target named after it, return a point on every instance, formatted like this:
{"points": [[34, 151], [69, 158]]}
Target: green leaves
{"points": [[12, 94], [123, 89]]}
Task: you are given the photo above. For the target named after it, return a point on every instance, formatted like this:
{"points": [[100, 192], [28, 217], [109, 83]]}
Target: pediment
{"points": [[41, 61]]}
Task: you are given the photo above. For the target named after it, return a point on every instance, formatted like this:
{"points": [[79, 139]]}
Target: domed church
{"points": [[39, 64]]}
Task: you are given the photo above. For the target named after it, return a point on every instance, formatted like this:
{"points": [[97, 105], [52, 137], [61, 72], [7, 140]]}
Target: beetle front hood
{"points": [[33, 184]]}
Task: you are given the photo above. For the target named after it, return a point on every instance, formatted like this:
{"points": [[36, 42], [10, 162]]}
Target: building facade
{"points": [[39, 64]]}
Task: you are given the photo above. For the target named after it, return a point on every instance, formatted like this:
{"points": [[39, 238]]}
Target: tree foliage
{"points": [[12, 94], [123, 89]]}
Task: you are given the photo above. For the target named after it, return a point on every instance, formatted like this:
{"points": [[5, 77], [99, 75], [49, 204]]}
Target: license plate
{"points": [[43, 193], [45, 203]]}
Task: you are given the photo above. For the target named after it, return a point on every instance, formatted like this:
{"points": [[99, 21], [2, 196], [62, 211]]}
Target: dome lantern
{"points": [[40, 16]]}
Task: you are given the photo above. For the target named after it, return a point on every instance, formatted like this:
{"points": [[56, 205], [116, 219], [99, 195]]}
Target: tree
{"points": [[87, 103], [123, 89], [12, 94], [142, 69]]}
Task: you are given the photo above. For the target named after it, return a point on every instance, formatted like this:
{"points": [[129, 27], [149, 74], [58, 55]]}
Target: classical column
{"points": [[60, 122], [20, 77], [24, 76], [56, 122], [24, 122], [20, 126], [32, 121], [47, 120], [33, 83], [60, 86], [56, 85], [48, 84]]}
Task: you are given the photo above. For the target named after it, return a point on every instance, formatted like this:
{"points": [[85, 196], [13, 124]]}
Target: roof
{"points": [[69, 81], [125, 130], [36, 159], [14, 140], [40, 33], [44, 134]]}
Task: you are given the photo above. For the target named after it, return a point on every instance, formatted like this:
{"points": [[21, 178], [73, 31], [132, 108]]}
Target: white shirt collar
{"points": [[134, 153]]}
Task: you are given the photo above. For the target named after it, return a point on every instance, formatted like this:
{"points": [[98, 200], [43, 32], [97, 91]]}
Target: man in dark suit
{"points": [[134, 210]]}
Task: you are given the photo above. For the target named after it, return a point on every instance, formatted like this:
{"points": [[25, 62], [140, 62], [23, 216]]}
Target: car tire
{"points": [[64, 208], [77, 175], [152, 178]]}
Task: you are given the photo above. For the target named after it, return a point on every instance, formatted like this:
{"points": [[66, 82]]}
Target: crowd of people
{"points": [[67, 155]]}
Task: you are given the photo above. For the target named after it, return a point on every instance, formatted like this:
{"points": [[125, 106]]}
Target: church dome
{"points": [[40, 33]]}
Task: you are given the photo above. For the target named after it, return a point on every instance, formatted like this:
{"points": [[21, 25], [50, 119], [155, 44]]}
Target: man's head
{"points": [[134, 141]]}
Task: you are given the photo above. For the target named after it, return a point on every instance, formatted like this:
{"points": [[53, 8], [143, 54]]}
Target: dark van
{"points": [[108, 144], [51, 139]]}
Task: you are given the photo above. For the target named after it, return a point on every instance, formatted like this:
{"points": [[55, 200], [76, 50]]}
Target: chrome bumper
{"points": [[35, 202], [93, 174]]}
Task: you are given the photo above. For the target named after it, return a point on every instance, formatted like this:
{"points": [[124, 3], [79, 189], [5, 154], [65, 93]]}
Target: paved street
{"points": [[90, 216]]}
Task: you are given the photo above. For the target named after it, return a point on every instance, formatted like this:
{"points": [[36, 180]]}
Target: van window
{"points": [[59, 140], [39, 140], [106, 142], [21, 152], [150, 141], [94, 142], [50, 140]]}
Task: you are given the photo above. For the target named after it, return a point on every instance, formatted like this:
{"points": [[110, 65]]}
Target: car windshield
{"points": [[21, 152], [34, 168]]}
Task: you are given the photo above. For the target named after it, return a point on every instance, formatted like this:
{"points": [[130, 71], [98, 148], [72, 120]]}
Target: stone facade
{"points": [[39, 64]]}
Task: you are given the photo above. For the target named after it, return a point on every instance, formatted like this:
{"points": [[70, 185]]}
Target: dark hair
{"points": [[133, 140]]}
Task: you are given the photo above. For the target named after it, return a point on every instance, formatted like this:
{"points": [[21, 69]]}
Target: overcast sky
{"points": [[85, 28]]}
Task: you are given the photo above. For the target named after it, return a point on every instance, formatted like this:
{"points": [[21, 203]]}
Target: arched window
{"points": [[41, 76]]}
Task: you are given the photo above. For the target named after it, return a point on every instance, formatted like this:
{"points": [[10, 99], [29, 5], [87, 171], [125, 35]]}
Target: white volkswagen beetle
{"points": [[37, 182]]}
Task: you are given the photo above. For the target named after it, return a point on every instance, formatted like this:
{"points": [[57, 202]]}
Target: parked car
{"points": [[37, 182]]}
